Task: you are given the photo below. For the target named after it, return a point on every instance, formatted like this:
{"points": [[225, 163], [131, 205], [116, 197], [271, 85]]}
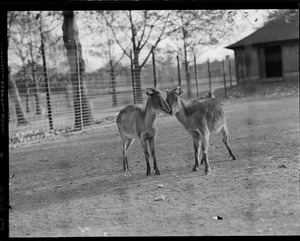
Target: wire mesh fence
{"points": [[76, 95]]}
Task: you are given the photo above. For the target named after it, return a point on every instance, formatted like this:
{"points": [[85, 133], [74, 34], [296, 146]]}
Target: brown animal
{"points": [[136, 121], [201, 118]]}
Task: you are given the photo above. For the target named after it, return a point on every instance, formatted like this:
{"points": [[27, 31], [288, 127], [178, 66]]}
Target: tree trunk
{"points": [[113, 85], [14, 93], [138, 85], [68, 93], [38, 110], [187, 73], [27, 97], [137, 77], [132, 78], [82, 106], [186, 64], [27, 89]]}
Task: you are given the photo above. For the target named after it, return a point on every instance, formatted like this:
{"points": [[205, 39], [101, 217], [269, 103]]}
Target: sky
{"points": [[244, 27]]}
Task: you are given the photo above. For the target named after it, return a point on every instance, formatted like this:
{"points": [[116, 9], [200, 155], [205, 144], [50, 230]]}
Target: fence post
{"points": [[132, 78], [178, 66], [27, 93], [79, 84], [209, 78], [224, 77], [113, 84], [154, 73], [243, 65], [195, 64], [46, 79], [230, 78]]}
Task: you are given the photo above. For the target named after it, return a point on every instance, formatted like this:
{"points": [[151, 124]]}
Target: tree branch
{"points": [[113, 32], [133, 31], [152, 26], [145, 24], [157, 41]]}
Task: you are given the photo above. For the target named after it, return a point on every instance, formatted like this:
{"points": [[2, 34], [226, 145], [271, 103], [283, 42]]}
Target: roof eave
{"points": [[233, 46]]}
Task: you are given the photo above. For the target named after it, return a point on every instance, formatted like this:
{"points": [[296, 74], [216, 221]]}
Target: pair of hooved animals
{"points": [[201, 118]]}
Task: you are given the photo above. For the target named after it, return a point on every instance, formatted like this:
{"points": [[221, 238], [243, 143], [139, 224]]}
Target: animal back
{"points": [[209, 110], [128, 119]]}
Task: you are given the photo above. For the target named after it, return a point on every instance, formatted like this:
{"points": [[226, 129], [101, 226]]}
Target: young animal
{"points": [[201, 118], [136, 121]]}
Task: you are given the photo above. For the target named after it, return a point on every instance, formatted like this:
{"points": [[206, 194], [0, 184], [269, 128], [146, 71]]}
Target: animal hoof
{"points": [[157, 172], [207, 172], [148, 173], [195, 169], [233, 158]]}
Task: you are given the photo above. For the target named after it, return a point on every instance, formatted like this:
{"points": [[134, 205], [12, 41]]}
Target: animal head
{"points": [[174, 99], [158, 104]]}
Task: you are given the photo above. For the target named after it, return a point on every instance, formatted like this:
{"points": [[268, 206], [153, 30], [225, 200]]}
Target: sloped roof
{"points": [[277, 30]]}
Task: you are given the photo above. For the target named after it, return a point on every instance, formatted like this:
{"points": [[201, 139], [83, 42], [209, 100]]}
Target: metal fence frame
{"points": [[57, 103]]}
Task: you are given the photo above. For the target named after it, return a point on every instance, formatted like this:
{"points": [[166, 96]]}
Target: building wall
{"points": [[261, 62], [239, 59], [250, 61], [246, 64], [290, 57]]}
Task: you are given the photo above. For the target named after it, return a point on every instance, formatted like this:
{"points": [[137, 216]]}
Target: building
{"points": [[271, 53]]}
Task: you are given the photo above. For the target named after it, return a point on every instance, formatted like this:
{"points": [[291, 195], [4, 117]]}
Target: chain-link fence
{"points": [[58, 80], [74, 96], [60, 89]]}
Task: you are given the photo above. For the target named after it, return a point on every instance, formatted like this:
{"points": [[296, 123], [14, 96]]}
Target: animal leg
{"points": [[124, 153], [225, 134], [146, 152], [205, 144], [202, 159], [196, 141], [152, 149], [127, 144]]}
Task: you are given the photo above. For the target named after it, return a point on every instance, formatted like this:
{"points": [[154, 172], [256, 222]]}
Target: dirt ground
{"points": [[75, 186]]}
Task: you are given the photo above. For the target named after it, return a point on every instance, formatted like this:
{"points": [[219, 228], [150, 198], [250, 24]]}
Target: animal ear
{"points": [[178, 90], [150, 91]]}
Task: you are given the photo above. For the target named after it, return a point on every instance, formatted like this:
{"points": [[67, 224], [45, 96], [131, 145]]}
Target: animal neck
{"points": [[181, 114], [149, 114]]}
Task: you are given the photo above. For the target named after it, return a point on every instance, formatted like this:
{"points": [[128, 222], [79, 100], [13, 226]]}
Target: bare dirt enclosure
{"points": [[75, 185]]}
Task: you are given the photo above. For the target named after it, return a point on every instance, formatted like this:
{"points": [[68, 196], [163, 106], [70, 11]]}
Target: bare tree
{"points": [[106, 47], [13, 89], [33, 30], [194, 29], [77, 67], [289, 15], [146, 28]]}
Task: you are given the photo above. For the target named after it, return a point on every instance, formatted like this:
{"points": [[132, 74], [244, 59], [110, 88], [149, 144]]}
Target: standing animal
{"points": [[136, 121], [201, 118]]}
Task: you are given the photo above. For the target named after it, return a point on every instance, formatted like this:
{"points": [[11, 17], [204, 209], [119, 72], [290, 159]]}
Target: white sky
{"points": [[244, 27]]}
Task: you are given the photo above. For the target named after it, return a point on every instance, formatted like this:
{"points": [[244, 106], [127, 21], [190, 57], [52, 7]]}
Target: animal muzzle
{"points": [[168, 111], [166, 108], [171, 112]]}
